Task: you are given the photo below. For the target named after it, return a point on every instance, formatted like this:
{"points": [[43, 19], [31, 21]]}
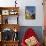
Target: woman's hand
{"points": [[32, 41]]}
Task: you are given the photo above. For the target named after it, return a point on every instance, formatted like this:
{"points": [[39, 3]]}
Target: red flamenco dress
{"points": [[29, 33]]}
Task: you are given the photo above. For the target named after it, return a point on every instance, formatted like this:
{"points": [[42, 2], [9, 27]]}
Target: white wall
{"points": [[22, 3], [39, 13]]}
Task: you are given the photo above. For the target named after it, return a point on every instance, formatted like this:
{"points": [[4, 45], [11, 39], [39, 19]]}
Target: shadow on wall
{"points": [[37, 29]]}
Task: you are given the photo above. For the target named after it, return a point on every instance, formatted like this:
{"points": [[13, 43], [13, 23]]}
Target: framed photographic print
{"points": [[13, 12], [30, 12], [5, 12]]}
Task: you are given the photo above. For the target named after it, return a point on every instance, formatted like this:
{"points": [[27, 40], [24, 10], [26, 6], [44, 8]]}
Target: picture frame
{"points": [[5, 12], [30, 12], [13, 12]]}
